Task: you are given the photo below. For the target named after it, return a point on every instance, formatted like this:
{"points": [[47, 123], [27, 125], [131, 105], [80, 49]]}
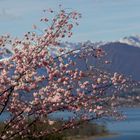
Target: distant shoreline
{"points": [[93, 137]]}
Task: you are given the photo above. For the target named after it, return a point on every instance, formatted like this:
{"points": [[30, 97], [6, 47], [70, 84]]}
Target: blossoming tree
{"points": [[34, 84]]}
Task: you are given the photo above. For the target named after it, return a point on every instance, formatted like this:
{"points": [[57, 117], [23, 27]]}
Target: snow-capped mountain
{"points": [[5, 53], [123, 59], [123, 54], [69, 46], [131, 40]]}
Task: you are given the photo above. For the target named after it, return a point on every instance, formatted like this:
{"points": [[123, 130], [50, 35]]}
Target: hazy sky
{"points": [[102, 19]]}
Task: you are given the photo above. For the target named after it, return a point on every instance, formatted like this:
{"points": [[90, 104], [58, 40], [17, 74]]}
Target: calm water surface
{"points": [[128, 129]]}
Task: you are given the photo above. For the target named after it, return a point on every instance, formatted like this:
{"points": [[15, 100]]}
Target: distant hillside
{"points": [[124, 59]]}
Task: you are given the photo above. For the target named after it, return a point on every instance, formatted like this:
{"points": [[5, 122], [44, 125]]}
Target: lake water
{"points": [[128, 129], [4, 116]]}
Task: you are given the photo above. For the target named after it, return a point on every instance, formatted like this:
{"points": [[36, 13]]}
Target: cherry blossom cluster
{"points": [[34, 85]]}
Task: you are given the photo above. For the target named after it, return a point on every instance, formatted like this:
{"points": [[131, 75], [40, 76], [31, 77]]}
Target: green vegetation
{"points": [[79, 133]]}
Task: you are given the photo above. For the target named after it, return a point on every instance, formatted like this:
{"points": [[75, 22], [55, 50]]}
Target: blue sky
{"points": [[103, 20]]}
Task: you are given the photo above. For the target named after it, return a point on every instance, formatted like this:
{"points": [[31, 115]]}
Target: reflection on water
{"points": [[128, 129]]}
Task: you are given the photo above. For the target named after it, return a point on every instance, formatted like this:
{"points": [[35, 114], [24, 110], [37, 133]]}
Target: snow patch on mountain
{"points": [[131, 40], [124, 54], [5, 53]]}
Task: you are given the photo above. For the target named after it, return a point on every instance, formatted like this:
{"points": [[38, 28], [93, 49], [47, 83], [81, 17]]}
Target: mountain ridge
{"points": [[124, 56]]}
